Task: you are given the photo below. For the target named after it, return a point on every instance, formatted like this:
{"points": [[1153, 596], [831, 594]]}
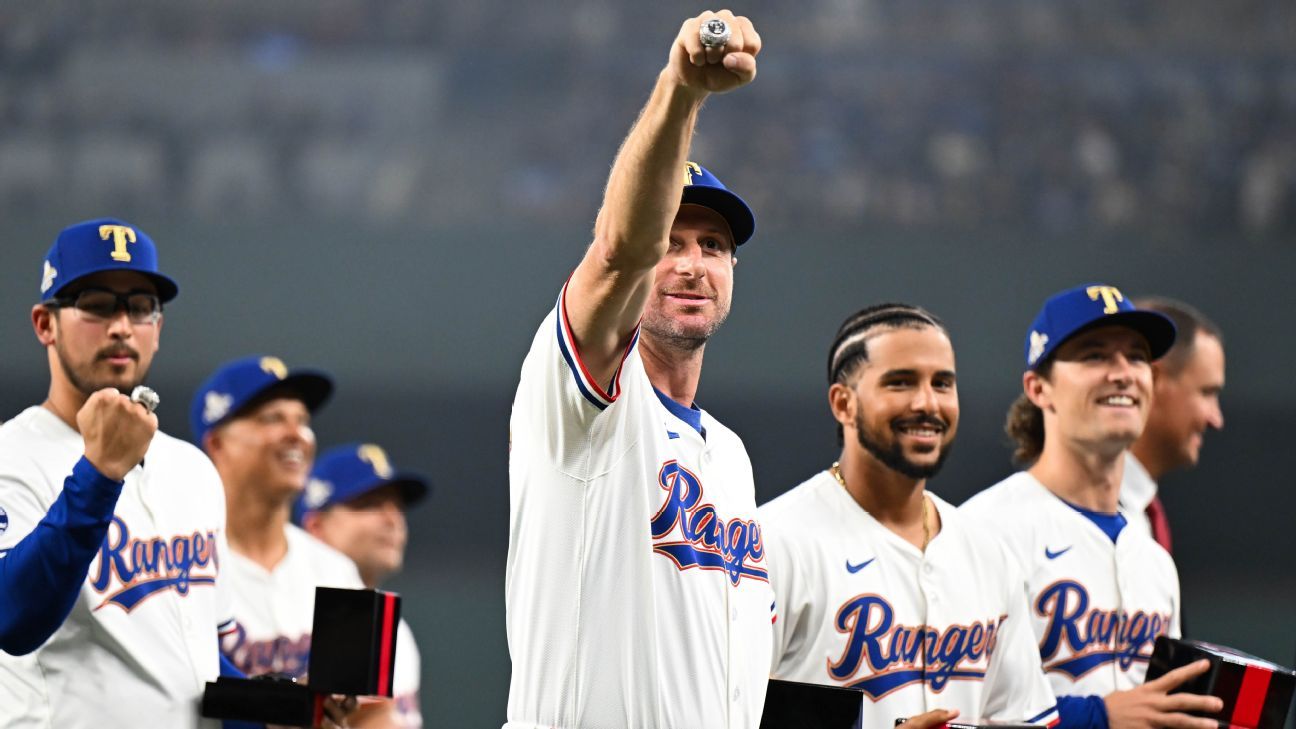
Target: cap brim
{"points": [[313, 388], [166, 288], [1157, 329], [413, 487], [731, 207]]}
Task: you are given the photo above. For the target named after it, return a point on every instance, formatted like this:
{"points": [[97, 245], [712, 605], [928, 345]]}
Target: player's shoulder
{"points": [[330, 566], [184, 459], [36, 444], [174, 448], [967, 529], [1005, 498], [33, 427], [1138, 546], [806, 499]]}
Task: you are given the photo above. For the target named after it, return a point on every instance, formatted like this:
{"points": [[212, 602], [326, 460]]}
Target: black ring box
{"points": [[1256, 692], [353, 652]]}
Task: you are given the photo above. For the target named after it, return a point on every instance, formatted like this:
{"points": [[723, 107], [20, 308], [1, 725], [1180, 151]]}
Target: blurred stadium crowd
{"points": [[1167, 115]]}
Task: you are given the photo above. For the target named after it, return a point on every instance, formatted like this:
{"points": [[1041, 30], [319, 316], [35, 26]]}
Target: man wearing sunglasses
{"points": [[109, 530]]}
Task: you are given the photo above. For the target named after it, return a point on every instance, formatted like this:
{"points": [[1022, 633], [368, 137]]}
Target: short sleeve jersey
{"points": [[860, 607], [274, 610], [1097, 606], [636, 585], [141, 639]]}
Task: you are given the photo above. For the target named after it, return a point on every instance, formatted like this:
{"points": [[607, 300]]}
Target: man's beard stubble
{"points": [[893, 457], [87, 387], [670, 333]]}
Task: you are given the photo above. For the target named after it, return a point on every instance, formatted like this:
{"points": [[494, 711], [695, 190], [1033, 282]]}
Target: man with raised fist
{"points": [[110, 531]]}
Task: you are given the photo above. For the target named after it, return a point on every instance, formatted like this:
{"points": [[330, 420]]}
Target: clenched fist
{"points": [[116, 431], [720, 69]]}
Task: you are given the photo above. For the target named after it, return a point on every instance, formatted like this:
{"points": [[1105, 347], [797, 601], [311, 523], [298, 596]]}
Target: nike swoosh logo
{"points": [[1054, 555], [853, 568]]}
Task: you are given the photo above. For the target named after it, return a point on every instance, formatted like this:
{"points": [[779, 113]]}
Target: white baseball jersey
{"points": [[1097, 606], [405, 681], [636, 585], [141, 640], [274, 610], [1137, 491], [860, 607]]}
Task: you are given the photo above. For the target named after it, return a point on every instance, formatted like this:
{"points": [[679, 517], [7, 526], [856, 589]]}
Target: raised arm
{"points": [[607, 292]]}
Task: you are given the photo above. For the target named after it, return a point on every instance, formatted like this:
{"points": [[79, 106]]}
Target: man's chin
{"points": [[694, 330]]}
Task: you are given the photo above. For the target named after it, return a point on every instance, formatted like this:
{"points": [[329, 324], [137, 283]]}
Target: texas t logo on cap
{"points": [[1068, 313], [101, 245], [239, 384], [1110, 295]]}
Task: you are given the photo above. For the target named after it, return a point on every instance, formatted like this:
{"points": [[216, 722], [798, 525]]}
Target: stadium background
{"points": [[395, 191]]}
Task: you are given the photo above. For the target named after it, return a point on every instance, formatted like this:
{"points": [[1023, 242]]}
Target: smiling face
{"points": [[693, 285], [906, 407], [1098, 392], [269, 448], [1187, 404]]}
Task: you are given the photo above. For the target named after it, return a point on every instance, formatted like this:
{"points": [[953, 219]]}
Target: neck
{"points": [[673, 370], [1152, 462], [370, 577], [1086, 478], [256, 526], [65, 401], [893, 499]]}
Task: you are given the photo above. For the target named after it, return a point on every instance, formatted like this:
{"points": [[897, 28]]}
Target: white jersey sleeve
{"points": [[636, 585], [862, 608], [1096, 606]]}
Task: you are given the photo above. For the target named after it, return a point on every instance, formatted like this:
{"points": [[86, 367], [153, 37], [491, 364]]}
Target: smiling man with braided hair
{"points": [[880, 585]]}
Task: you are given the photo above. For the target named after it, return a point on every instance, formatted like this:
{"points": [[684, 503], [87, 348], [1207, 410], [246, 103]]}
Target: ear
{"points": [[841, 400], [1037, 390], [211, 442], [1160, 377], [313, 524], [43, 323]]}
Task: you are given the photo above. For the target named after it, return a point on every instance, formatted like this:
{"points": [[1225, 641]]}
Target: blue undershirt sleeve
{"points": [[41, 576], [1081, 712]]}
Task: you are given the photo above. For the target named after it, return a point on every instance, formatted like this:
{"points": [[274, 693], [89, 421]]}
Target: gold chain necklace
{"points": [[835, 470]]}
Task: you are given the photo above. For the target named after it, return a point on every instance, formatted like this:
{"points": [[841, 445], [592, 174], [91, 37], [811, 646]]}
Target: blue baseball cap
{"points": [[1073, 311], [237, 384], [702, 188], [105, 244], [350, 471]]}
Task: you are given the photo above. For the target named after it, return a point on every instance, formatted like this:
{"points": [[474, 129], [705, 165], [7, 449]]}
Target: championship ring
{"points": [[714, 33], [145, 396]]}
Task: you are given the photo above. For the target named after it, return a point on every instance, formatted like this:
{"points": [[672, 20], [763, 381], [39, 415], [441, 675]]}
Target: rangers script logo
{"points": [[1093, 636], [892, 656], [709, 543], [143, 567]]}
